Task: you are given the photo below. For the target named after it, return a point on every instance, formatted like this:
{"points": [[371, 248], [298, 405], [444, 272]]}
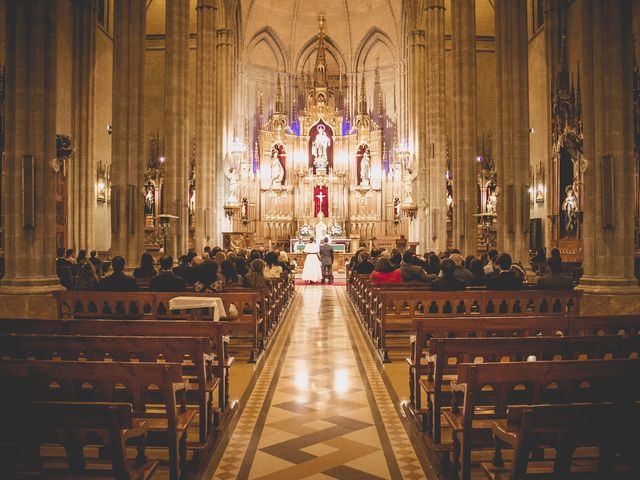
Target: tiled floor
{"points": [[320, 406]]}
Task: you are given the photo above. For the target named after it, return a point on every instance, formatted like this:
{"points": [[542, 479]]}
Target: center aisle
{"points": [[320, 408]]}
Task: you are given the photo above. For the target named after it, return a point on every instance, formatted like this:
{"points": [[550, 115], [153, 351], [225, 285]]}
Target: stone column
{"points": [[512, 139], [606, 75], [205, 116], [30, 231], [436, 126], [83, 175], [417, 105], [127, 167], [175, 191], [224, 124], [463, 18]]}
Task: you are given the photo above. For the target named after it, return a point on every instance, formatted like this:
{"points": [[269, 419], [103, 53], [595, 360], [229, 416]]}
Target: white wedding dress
{"points": [[312, 271]]}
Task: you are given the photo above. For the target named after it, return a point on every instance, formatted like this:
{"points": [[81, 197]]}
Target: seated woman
{"points": [[478, 277], [208, 279], [255, 277], [146, 270], [272, 270], [283, 261], [385, 273]]}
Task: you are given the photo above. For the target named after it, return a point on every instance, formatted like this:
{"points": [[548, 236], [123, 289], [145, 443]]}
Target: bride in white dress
{"points": [[312, 271]]}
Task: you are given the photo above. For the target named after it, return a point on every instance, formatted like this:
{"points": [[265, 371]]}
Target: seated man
{"points": [[117, 281], [448, 282], [365, 267], [554, 280], [411, 272], [461, 273], [506, 279], [166, 280], [186, 271]]}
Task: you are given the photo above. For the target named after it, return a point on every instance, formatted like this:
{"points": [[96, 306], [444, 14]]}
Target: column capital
{"points": [[431, 4], [225, 36], [202, 4]]}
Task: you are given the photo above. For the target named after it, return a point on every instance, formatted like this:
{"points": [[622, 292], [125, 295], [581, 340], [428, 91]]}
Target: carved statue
{"points": [[277, 170], [365, 169], [407, 183], [233, 177], [570, 208], [319, 150], [492, 202]]}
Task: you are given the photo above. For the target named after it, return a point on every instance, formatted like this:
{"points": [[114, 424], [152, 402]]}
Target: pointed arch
{"points": [[273, 42], [309, 49], [370, 39]]}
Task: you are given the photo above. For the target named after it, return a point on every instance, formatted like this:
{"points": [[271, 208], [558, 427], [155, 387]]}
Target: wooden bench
{"points": [[134, 328], [29, 425], [150, 387], [445, 354], [396, 311], [612, 429], [488, 389], [251, 314], [115, 305], [203, 374], [244, 321]]}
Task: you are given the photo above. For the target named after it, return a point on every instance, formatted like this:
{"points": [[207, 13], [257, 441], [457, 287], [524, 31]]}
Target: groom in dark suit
{"points": [[326, 259]]}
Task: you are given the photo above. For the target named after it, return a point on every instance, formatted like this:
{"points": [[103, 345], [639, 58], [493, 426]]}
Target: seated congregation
{"points": [[507, 379], [148, 379]]}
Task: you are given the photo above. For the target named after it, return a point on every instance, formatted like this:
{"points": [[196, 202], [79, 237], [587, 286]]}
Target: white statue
{"points": [[233, 177], [319, 150], [365, 169], [407, 183], [277, 170], [492, 202], [570, 208]]}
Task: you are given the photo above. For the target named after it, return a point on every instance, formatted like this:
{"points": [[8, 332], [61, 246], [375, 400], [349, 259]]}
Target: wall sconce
{"points": [[103, 182]]}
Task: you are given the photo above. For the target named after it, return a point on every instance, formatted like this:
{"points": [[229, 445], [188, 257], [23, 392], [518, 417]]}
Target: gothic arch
{"points": [[370, 39], [271, 39], [309, 48]]}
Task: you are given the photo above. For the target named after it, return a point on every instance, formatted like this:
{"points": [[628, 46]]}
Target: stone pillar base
{"points": [[33, 306], [609, 296]]}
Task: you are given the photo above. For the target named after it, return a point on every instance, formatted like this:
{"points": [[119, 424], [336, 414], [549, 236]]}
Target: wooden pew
{"points": [[445, 354], [28, 425], [529, 383], [150, 387], [243, 321], [116, 305], [202, 373], [529, 429], [134, 328], [397, 310]]}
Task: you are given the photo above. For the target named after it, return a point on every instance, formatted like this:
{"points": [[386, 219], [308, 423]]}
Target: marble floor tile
{"points": [[320, 407]]}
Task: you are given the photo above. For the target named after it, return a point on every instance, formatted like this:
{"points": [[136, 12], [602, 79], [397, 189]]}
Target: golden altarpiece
{"points": [[328, 177]]}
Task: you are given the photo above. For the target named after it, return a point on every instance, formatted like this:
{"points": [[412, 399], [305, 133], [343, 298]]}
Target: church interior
{"points": [[289, 239]]}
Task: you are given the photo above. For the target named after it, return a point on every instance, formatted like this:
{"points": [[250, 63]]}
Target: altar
{"points": [[339, 245], [320, 170]]}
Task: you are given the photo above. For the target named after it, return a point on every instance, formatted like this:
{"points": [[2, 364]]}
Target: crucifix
{"points": [[320, 196]]}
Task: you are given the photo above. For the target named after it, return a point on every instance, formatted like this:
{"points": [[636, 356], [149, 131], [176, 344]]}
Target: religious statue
{"points": [[149, 200], [570, 208], [277, 170], [492, 202], [320, 146], [233, 177], [407, 182], [365, 169]]}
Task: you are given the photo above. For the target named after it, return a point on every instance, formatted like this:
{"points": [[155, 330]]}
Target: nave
{"points": [[320, 407]]}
